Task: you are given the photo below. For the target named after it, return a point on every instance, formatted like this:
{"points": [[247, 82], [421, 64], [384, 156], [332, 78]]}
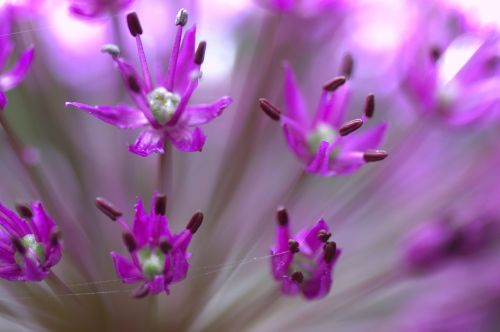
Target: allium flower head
{"points": [[304, 263], [12, 77], [162, 109], [29, 243], [159, 258], [97, 8], [324, 143]]}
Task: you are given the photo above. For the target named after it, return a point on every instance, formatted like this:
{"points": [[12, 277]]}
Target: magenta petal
{"points": [[149, 141], [201, 114], [11, 272], [141, 226], [288, 286], [121, 116], [369, 139], [125, 270], [317, 164], [33, 271], [157, 285], [180, 266], [293, 98], [42, 221], [297, 142], [308, 239], [280, 262], [185, 62], [186, 139], [320, 283], [17, 74], [3, 100]]}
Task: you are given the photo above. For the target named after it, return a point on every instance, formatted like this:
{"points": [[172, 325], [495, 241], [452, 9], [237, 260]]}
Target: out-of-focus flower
{"points": [[325, 144], [29, 245], [304, 7], [97, 8], [304, 263], [162, 109], [12, 77], [159, 258]]}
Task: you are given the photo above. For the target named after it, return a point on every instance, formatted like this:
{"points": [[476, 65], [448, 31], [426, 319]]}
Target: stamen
{"points": [[133, 84], [165, 246], [141, 292], [374, 155], [350, 126], [282, 216], [435, 53], [199, 55], [323, 235], [347, 66], [329, 249], [298, 277], [107, 208], [195, 222], [55, 236], [24, 211], [182, 17], [293, 246], [370, 105], [129, 241], [272, 111], [161, 205], [18, 245], [134, 25], [111, 49], [334, 84]]}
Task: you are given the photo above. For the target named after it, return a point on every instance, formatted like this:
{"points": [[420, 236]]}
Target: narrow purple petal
{"points": [[32, 270], [369, 139], [319, 284], [3, 101], [17, 74], [201, 114], [141, 225], [308, 238], [121, 116], [157, 285], [187, 139], [289, 287], [149, 141], [42, 221], [126, 271], [317, 164], [179, 267], [293, 98], [297, 142], [185, 62]]}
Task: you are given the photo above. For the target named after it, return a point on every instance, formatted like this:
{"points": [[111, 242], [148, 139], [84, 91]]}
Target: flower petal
{"points": [[121, 116], [3, 101], [297, 142], [149, 141], [201, 114], [369, 139], [141, 226], [125, 270], [185, 62], [187, 139], [319, 284], [32, 270], [308, 238], [320, 162], [289, 286], [294, 101], [17, 74], [43, 223]]}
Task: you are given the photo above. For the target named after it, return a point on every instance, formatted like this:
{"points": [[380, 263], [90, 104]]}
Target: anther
{"points": [[271, 111], [334, 84], [109, 210], [165, 246], [55, 236], [293, 246], [329, 250], [370, 105], [18, 245], [435, 53], [347, 66], [374, 155], [195, 222], [24, 211], [182, 17], [141, 292], [129, 241], [350, 126], [324, 236], [161, 205], [298, 277], [199, 55], [282, 216], [111, 49], [134, 25], [133, 84]]}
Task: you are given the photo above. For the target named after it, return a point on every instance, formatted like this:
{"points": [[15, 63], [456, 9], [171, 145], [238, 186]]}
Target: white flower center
{"points": [[152, 262], [322, 132], [163, 104]]}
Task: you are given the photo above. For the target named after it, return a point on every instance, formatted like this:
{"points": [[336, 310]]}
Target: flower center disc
{"points": [[163, 104]]}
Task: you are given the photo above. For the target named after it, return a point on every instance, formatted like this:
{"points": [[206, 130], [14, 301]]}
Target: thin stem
{"points": [[163, 169]]}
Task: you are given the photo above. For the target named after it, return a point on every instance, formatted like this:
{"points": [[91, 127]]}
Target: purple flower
{"points": [[12, 77], [97, 8], [162, 109], [304, 263], [158, 257], [325, 144], [29, 245], [304, 7]]}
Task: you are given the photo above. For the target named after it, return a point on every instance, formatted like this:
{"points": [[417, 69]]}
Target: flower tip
{"points": [[141, 292], [195, 222], [129, 241], [329, 250], [161, 204], [182, 17], [134, 25], [334, 84], [350, 127], [347, 66], [282, 216], [370, 105], [199, 55], [24, 211], [271, 111], [111, 49], [374, 155], [107, 208]]}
